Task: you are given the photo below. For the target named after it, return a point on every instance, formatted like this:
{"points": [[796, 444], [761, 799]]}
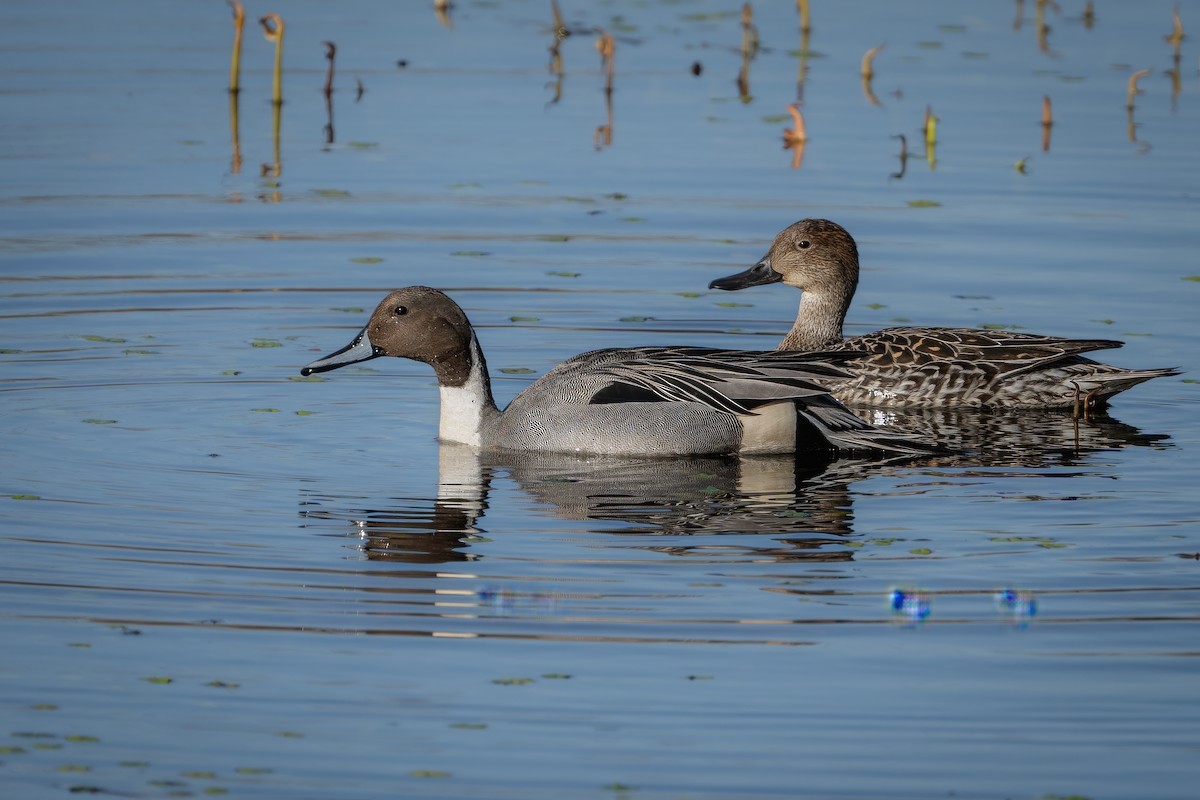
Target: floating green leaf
{"points": [[524, 319], [44, 707], [364, 260], [261, 342], [8, 351], [616, 196], [469, 726], [1192, 278], [636, 319], [775, 119], [554, 237], [633, 219], [923, 204], [920, 551], [689, 295], [222, 685], [232, 372], [731, 304], [199, 775], [115, 339], [349, 309], [929, 45], [306, 378], [100, 421], [556, 676], [137, 352], [876, 306], [72, 768], [81, 738], [159, 679], [253, 770], [512, 681], [517, 370], [563, 274], [266, 410], [26, 497], [304, 413]]}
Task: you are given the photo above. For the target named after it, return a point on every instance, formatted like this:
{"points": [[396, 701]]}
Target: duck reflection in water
{"points": [[803, 507]]}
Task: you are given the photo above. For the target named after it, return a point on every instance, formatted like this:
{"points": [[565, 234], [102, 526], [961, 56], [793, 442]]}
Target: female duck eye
{"points": [[803, 244], [400, 311]]}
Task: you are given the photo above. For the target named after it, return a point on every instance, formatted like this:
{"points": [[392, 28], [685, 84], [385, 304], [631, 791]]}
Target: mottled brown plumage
{"points": [[926, 367]]}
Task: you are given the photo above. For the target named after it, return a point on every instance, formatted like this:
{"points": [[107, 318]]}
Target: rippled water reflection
{"points": [[218, 578]]}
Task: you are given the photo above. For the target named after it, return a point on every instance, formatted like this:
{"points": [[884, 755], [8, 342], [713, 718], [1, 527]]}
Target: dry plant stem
{"points": [[868, 73], [235, 60], [805, 22], [1175, 39], [235, 165], [1133, 85], [794, 138], [441, 9], [273, 27], [868, 59], [330, 54], [749, 33], [606, 46], [1047, 123]]}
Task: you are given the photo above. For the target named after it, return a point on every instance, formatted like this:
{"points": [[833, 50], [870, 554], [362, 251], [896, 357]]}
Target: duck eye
{"points": [[400, 311], [803, 244]]}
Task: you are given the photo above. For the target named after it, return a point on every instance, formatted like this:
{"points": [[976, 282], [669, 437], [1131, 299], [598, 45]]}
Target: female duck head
{"points": [[813, 255]]}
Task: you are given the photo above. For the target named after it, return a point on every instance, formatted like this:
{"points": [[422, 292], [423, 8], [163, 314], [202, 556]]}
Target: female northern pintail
{"points": [[926, 367], [632, 401]]}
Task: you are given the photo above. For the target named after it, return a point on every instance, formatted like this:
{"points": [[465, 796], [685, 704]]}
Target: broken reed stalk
{"points": [[330, 54], [795, 137], [798, 134], [606, 46], [235, 60], [805, 22], [560, 27], [749, 33], [272, 25], [868, 72], [930, 128], [1133, 85], [1047, 123], [868, 59], [1176, 36], [441, 9]]}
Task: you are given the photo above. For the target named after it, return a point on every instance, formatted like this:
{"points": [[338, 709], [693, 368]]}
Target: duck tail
{"points": [[840, 429], [1104, 386]]}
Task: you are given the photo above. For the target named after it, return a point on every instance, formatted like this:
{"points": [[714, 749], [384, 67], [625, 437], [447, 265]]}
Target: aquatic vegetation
{"points": [[273, 28]]}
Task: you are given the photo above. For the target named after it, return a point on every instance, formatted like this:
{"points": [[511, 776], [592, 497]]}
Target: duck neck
{"points": [[466, 397], [819, 322]]}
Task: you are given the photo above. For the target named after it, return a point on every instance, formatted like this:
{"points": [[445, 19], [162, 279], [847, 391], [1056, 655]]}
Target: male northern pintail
{"points": [[629, 401], [926, 367]]}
